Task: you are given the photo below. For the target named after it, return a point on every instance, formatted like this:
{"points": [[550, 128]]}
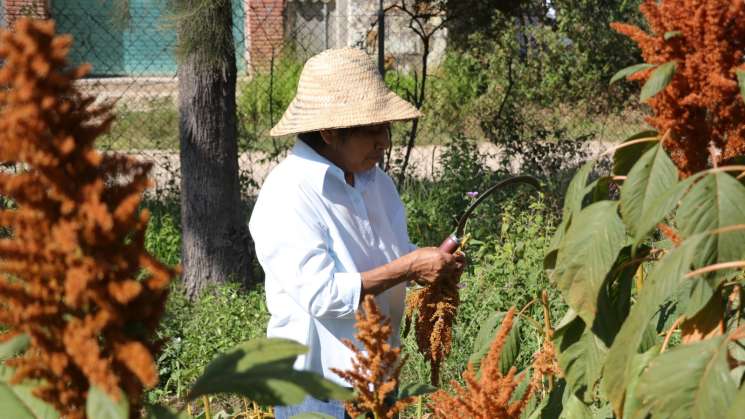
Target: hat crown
{"points": [[341, 88], [333, 62], [345, 75]]}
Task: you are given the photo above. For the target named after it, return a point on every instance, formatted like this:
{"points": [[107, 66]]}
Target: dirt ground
{"points": [[423, 162]]}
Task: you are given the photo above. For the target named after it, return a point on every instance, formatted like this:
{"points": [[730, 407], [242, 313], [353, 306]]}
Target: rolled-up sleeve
{"points": [[294, 249]]}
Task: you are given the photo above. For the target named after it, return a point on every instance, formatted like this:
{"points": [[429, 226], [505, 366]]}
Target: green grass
{"points": [[149, 126]]}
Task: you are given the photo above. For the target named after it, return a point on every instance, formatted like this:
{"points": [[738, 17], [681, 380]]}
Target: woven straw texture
{"points": [[341, 88]]}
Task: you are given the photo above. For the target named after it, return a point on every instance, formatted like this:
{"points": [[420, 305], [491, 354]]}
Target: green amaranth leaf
{"points": [[415, 389], [576, 190], [658, 80], [587, 253], [664, 280], [672, 34], [483, 341], [652, 176], [601, 189], [629, 71], [14, 346], [573, 198], [17, 400], [632, 404], [688, 381], [661, 207], [100, 405], [520, 390], [581, 355], [738, 405], [625, 158], [574, 408], [262, 370], [551, 405], [741, 81], [715, 202]]}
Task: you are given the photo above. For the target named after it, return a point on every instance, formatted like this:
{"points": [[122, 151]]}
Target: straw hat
{"points": [[341, 88]]}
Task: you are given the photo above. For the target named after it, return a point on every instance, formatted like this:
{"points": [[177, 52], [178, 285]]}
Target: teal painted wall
{"points": [[96, 38], [149, 39], [140, 45]]}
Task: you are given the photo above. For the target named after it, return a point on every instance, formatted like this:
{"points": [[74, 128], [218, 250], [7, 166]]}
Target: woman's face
{"points": [[357, 149]]}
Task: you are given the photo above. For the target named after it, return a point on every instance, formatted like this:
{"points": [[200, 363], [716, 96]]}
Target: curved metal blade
{"points": [[530, 180]]}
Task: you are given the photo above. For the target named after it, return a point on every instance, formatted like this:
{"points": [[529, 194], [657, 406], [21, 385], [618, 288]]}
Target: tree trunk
{"points": [[215, 246]]}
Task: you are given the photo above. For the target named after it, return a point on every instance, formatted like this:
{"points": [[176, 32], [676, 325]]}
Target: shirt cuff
{"points": [[349, 285]]}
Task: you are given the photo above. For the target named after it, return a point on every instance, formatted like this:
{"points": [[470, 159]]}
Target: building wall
{"points": [[402, 46], [354, 23], [265, 31], [13, 9], [309, 26]]}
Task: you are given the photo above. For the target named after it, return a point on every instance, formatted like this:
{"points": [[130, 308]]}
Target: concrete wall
{"points": [[353, 23], [13, 9]]}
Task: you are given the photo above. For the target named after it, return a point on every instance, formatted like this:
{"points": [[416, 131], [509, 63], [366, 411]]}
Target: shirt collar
{"points": [[319, 167]]}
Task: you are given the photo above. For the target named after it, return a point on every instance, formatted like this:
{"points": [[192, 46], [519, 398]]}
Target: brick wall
{"points": [[14, 9], [264, 26]]}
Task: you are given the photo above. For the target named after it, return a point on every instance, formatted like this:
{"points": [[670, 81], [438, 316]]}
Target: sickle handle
{"points": [[450, 245]]}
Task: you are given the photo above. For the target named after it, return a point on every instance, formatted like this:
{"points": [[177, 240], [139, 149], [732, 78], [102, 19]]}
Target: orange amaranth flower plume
{"points": [[490, 396], [702, 105], [71, 267], [433, 310], [375, 369]]}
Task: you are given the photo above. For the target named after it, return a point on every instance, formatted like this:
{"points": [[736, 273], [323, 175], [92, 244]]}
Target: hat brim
{"points": [[299, 117]]}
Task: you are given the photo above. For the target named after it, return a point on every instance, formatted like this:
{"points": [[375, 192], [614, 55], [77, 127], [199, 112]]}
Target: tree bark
{"points": [[215, 244]]}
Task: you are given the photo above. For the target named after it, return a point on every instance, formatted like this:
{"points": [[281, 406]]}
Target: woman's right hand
{"points": [[428, 265]]}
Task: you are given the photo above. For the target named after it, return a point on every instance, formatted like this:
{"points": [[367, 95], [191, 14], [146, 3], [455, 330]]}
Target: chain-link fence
{"points": [[131, 46]]}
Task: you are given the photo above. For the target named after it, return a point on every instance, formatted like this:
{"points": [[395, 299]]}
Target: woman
{"points": [[329, 225]]}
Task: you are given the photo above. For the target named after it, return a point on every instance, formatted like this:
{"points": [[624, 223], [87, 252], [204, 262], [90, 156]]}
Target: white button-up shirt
{"points": [[314, 235]]}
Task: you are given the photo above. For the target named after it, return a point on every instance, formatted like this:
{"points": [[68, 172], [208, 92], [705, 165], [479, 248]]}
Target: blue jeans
{"points": [[334, 408]]}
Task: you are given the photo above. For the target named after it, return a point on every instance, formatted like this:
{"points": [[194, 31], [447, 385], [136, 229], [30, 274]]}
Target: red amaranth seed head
{"points": [[75, 276], [702, 106]]}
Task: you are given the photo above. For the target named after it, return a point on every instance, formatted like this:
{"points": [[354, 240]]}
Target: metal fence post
{"points": [[381, 40]]}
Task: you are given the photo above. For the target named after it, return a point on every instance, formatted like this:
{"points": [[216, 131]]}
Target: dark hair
{"points": [[314, 139]]}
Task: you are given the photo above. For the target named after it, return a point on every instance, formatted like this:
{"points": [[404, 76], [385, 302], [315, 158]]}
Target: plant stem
{"points": [[639, 277], [548, 328], [245, 406], [531, 321], [669, 333], [207, 414]]}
